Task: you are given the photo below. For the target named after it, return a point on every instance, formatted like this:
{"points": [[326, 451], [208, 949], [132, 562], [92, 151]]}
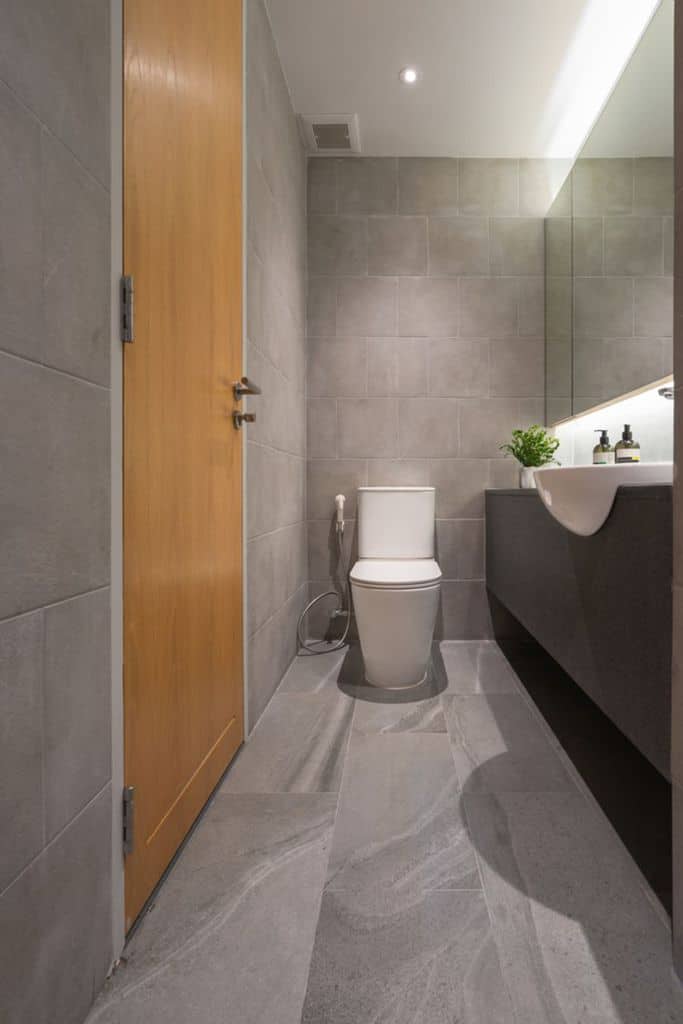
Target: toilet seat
{"points": [[395, 573]]}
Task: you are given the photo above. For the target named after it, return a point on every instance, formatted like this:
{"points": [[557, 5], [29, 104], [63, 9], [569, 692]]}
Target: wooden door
{"points": [[182, 455]]}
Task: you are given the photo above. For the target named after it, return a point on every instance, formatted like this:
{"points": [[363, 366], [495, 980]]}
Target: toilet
{"points": [[395, 583]]}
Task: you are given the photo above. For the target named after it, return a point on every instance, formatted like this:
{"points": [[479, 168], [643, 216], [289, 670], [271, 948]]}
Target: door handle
{"points": [[238, 418], [244, 386]]}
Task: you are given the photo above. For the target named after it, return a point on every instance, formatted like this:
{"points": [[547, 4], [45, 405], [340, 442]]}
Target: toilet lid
{"points": [[395, 572]]}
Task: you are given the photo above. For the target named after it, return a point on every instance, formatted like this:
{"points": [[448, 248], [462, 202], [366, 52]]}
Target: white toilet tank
{"points": [[396, 522]]}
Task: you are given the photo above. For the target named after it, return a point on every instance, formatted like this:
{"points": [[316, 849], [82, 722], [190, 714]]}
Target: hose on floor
{"points": [[343, 606]]}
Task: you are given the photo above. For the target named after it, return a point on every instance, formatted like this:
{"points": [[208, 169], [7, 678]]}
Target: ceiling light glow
{"points": [[408, 75]]}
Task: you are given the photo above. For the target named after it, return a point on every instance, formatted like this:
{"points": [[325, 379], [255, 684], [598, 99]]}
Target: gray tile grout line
{"points": [[48, 367], [478, 861], [54, 604]]}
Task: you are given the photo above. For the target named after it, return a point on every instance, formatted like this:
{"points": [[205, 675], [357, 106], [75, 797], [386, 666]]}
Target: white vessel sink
{"points": [[581, 497]]}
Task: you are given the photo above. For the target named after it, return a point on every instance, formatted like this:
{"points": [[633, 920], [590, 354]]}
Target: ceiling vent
{"points": [[330, 134]]}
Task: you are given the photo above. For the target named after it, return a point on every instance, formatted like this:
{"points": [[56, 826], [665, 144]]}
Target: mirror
{"points": [[609, 241]]}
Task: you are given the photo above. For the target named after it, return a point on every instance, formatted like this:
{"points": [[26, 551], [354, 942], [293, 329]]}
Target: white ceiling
{"points": [[498, 76]]}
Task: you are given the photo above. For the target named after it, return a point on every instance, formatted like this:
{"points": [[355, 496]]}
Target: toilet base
{"points": [[395, 629], [397, 689]]}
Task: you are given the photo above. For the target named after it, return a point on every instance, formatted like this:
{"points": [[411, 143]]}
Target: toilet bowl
{"points": [[395, 583]]}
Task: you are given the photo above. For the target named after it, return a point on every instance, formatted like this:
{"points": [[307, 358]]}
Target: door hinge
{"points": [[128, 819], [127, 308]]}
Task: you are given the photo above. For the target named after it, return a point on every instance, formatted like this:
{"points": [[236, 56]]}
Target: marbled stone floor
{"points": [[433, 862]]}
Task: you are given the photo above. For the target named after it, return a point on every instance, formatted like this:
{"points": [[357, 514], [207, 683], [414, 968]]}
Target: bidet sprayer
{"points": [[339, 504]]}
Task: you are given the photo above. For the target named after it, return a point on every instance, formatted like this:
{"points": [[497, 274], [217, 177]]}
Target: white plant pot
{"points": [[526, 477]]}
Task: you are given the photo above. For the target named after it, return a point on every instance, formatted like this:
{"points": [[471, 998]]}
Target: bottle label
{"points": [[603, 458], [628, 455]]}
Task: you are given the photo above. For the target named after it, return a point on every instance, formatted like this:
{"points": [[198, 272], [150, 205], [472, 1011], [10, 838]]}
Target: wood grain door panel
{"points": [[182, 456]]}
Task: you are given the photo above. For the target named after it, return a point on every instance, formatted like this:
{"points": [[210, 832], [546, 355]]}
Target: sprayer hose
{"points": [[312, 646]]}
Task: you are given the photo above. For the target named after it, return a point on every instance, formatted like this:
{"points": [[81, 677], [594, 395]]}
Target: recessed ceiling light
{"points": [[408, 76]]}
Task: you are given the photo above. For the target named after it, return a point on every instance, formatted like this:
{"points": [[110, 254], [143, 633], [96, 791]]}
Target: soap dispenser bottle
{"points": [[603, 453], [627, 450]]}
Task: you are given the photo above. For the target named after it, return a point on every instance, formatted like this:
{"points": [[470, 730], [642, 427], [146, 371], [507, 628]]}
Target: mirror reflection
{"points": [[609, 242]]}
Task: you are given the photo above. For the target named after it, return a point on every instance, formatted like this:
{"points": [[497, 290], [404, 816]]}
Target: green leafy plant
{"points": [[533, 447]]}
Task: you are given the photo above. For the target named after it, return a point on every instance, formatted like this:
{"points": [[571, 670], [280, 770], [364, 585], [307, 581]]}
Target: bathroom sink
{"points": [[581, 497]]}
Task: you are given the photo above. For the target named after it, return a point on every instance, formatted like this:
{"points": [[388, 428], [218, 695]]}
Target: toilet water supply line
{"points": [[343, 596]]}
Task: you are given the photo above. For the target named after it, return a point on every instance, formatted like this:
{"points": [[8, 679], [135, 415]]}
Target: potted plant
{"points": [[532, 448]]}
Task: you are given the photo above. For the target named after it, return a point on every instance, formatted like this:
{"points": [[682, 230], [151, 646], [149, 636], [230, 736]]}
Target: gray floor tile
{"points": [[398, 825], [229, 938], [312, 673], [579, 938], [500, 746], [476, 667], [414, 716], [298, 746], [428, 959]]}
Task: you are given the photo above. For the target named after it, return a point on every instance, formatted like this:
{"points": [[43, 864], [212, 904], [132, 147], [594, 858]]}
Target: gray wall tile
{"points": [[486, 423], [54, 536], [321, 418], [337, 367], [653, 307], [275, 488], [602, 187], [588, 246], [603, 307], [21, 281], [489, 187], [21, 735], [458, 245], [398, 472], [270, 652], [77, 706], [328, 477], [633, 245], [460, 486], [58, 913], [460, 548], [322, 306], [322, 186], [488, 307], [540, 185], [517, 368], [428, 185], [434, 404], [397, 245], [277, 563], [558, 246], [531, 298], [338, 245], [397, 366], [55, 65], [367, 427], [653, 185], [517, 245], [428, 428], [68, 86], [369, 185], [459, 368], [278, 240], [323, 549], [428, 307], [366, 306], [76, 262]]}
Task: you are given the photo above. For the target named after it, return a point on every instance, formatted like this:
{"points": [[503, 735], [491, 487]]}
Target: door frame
{"points": [[116, 453]]}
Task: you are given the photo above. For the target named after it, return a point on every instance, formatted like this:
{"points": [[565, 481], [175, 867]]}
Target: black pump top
{"points": [[604, 439], [627, 435]]}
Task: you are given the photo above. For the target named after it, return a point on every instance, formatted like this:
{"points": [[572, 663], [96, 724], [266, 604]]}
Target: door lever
{"points": [[244, 386], [238, 418]]}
